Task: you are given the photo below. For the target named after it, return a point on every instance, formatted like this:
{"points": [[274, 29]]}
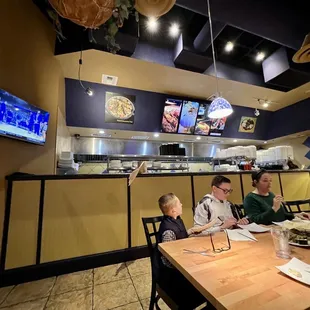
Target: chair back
{"points": [[240, 210], [297, 203], [151, 234]]}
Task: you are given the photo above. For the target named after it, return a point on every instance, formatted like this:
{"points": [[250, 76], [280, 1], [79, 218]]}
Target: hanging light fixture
{"points": [[88, 91], [219, 107]]}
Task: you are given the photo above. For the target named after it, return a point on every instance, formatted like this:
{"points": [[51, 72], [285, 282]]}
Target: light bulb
{"points": [[152, 24], [89, 91], [260, 56], [174, 30], [229, 47]]}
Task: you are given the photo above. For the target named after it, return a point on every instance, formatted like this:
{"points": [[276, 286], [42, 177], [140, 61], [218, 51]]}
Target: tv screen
{"points": [[170, 120], [21, 120], [206, 126], [188, 117]]}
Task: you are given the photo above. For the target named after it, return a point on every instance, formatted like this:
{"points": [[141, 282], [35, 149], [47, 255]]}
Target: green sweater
{"points": [[259, 209]]}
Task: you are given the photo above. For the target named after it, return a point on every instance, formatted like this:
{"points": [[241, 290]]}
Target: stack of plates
{"points": [[66, 161]]}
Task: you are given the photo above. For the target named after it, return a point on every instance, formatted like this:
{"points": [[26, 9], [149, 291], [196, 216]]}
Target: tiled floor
{"points": [[122, 287]]}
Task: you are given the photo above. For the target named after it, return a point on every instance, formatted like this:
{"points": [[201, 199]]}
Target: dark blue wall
{"points": [[292, 119], [85, 111]]}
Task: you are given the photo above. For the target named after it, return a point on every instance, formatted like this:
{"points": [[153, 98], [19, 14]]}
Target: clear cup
{"points": [[280, 238]]}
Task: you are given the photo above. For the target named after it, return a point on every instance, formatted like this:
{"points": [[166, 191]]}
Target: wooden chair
{"points": [[156, 292], [297, 203]]}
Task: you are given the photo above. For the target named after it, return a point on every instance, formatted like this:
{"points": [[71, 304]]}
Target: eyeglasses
{"points": [[225, 191], [225, 248]]}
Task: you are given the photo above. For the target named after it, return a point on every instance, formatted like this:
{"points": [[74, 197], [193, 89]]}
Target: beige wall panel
{"points": [[145, 193], [83, 217], [247, 184], [202, 185], [23, 226], [295, 185]]}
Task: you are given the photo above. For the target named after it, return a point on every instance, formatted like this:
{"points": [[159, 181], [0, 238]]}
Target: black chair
{"points": [[156, 292], [240, 210], [297, 203]]}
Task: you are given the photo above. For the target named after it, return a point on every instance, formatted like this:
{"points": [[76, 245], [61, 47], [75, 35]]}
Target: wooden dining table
{"points": [[244, 277]]}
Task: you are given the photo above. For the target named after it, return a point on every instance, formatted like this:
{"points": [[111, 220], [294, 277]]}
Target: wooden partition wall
{"points": [[81, 217]]}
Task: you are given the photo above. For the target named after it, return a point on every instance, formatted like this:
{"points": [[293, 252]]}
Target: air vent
{"points": [[140, 137], [109, 79], [101, 135]]}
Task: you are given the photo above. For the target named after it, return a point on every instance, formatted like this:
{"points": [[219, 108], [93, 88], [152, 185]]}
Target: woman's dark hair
{"points": [[256, 176], [219, 180]]}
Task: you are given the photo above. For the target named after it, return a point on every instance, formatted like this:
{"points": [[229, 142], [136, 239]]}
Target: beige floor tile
{"points": [[73, 281], [77, 300], [4, 292], [146, 303], [143, 285], [114, 294], [110, 273], [29, 291], [29, 305], [133, 306], [139, 267]]}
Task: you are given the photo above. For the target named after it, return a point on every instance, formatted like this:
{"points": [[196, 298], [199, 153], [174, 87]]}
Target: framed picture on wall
{"points": [[119, 108], [247, 124]]}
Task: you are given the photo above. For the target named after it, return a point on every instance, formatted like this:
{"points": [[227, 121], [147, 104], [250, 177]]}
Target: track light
{"points": [[89, 91]]}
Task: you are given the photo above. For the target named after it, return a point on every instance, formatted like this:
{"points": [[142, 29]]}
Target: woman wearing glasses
{"points": [[215, 206], [264, 207]]}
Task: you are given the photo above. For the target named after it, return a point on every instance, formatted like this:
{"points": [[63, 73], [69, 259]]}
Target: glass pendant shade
{"points": [[219, 108]]}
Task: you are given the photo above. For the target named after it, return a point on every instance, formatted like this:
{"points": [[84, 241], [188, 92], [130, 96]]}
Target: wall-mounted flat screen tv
{"points": [[171, 116], [206, 126], [21, 120], [188, 117]]}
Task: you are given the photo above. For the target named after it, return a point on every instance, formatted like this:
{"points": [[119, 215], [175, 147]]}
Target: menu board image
{"points": [[170, 120], [203, 122], [188, 117], [119, 108], [217, 126]]}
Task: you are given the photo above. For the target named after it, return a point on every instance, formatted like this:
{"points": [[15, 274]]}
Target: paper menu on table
{"points": [[253, 227], [240, 235], [297, 270], [281, 223]]}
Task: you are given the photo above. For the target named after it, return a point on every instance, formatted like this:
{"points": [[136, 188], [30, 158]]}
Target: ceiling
{"points": [[253, 26], [139, 74]]}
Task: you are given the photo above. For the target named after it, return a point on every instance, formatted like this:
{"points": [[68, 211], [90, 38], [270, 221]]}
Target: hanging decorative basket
{"points": [[154, 8], [87, 13]]}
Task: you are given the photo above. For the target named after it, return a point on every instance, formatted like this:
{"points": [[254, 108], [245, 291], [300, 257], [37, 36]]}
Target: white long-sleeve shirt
{"points": [[210, 208]]}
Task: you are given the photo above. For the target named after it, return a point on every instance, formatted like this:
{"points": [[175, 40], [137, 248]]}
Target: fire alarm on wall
{"points": [[109, 79]]}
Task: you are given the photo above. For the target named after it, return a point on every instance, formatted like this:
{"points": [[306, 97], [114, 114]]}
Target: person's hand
{"points": [[304, 216], [243, 221], [229, 223], [277, 203]]}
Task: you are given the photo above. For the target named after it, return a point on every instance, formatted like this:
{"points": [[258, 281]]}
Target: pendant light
{"points": [[88, 91], [219, 107]]}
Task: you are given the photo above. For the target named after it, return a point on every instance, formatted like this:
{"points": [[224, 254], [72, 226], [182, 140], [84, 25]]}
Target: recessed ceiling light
{"points": [[174, 30], [235, 140], [152, 24], [266, 105], [101, 135], [229, 47], [156, 135], [198, 138], [101, 131], [260, 56], [265, 142]]}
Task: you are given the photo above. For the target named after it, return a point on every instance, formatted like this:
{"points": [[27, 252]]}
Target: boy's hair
{"points": [[219, 180], [165, 202]]}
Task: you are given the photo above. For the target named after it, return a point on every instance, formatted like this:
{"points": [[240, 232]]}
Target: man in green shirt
{"points": [[263, 206]]}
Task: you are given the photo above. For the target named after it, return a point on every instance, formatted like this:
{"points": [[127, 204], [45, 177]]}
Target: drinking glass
{"points": [[280, 238]]}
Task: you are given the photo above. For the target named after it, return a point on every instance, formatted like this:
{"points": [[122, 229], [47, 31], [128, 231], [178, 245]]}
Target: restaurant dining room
{"points": [[154, 155]]}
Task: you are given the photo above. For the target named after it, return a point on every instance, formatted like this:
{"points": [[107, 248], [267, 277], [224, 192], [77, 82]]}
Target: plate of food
{"points": [[299, 232], [202, 128], [120, 107], [248, 124], [170, 119]]}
